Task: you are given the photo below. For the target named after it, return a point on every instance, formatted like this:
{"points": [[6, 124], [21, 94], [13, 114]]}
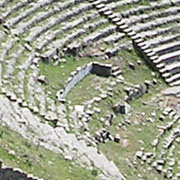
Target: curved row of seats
{"points": [[19, 78], [41, 13], [66, 29], [149, 25]]}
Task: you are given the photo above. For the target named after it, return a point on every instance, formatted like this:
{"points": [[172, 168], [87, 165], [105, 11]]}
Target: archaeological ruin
{"points": [[89, 89]]}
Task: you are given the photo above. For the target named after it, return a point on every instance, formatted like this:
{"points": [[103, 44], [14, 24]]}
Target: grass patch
{"points": [[57, 75], [88, 88]]}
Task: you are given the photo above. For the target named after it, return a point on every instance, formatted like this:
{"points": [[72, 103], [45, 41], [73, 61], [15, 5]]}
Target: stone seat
{"points": [[156, 23], [114, 50], [104, 9], [108, 13], [93, 37], [13, 21], [172, 68], [134, 19], [100, 6], [173, 79], [165, 48], [117, 4], [45, 40], [167, 58], [16, 7], [158, 40], [44, 15], [113, 38], [42, 29], [175, 83]]}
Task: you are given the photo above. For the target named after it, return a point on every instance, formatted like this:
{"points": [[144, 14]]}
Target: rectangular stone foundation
{"points": [[101, 69]]}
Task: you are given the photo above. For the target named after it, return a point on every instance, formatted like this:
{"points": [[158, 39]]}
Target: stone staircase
{"points": [[116, 71], [139, 43]]}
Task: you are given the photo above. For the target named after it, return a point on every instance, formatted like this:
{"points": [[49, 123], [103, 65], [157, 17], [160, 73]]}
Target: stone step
{"points": [[100, 6], [108, 13], [175, 83], [117, 73], [115, 68]]}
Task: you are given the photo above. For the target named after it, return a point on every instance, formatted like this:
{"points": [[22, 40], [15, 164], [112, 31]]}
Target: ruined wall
{"points": [[80, 73]]}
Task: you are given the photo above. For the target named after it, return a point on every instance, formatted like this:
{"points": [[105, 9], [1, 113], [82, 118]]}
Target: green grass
{"points": [[123, 154], [57, 75], [88, 85], [39, 161]]}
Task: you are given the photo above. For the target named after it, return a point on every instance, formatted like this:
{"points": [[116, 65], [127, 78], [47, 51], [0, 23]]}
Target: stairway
{"points": [[148, 53], [116, 71]]}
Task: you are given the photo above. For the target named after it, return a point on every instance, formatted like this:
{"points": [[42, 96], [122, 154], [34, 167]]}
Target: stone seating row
{"points": [[15, 8], [41, 29], [76, 44], [140, 9], [24, 73], [35, 98], [171, 66], [38, 101], [113, 38], [173, 80], [176, 10], [91, 38], [23, 27], [109, 44], [154, 5], [6, 47], [142, 18], [116, 4], [11, 63], [123, 27], [86, 41], [161, 35], [156, 23], [169, 58], [19, 78], [166, 48], [42, 42], [114, 50], [11, 22]]}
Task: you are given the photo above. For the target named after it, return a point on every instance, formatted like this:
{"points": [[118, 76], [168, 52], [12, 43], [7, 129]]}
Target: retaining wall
{"points": [[80, 73]]}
